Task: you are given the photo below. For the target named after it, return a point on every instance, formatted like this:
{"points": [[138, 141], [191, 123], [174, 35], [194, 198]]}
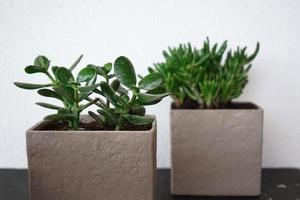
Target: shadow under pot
{"points": [[91, 165], [217, 152]]}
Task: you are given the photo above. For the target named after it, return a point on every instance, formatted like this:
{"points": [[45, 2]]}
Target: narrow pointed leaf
{"points": [[98, 118], [75, 63], [148, 98], [124, 71], [30, 86], [58, 117], [50, 106]]}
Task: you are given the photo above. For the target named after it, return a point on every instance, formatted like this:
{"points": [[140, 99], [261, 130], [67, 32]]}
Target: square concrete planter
{"points": [[216, 152], [91, 165]]}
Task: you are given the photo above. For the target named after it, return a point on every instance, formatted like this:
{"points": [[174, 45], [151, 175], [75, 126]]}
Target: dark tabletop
{"points": [[277, 184]]}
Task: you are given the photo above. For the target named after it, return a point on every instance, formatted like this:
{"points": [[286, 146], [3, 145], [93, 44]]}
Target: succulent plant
{"points": [[204, 75], [122, 99], [64, 87]]}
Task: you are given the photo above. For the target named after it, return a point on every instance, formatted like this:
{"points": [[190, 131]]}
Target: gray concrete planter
{"points": [[91, 165], [216, 152]]}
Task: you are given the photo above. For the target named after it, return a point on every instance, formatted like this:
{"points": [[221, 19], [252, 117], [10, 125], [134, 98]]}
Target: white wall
{"points": [[105, 29]]}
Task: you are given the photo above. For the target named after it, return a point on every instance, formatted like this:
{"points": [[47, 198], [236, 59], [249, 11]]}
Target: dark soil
{"points": [[87, 126], [190, 105]]}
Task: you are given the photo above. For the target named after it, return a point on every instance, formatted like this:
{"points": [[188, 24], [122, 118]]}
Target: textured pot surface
{"points": [[91, 165], [216, 152]]}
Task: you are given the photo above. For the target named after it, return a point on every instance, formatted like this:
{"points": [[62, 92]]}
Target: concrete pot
{"points": [[216, 152], [91, 165]]}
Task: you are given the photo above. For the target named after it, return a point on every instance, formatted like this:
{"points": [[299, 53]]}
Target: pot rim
{"points": [[32, 129], [258, 108]]}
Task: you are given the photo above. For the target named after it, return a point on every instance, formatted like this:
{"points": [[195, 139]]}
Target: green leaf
{"points": [[148, 98], [82, 107], [158, 90], [138, 120], [124, 71], [58, 117], [42, 61], [75, 63], [107, 67], [87, 89], [108, 92], [31, 69], [151, 81], [64, 76], [54, 69], [100, 119], [101, 72], [30, 86], [66, 92], [115, 84], [50, 106], [49, 93], [86, 74], [138, 111]]}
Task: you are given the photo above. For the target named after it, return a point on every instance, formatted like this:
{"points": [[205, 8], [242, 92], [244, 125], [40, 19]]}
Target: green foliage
{"points": [[205, 75], [63, 87], [122, 99]]}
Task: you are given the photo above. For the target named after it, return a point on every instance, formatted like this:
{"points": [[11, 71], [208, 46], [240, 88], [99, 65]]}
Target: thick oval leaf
{"points": [[107, 67], [115, 84], [50, 106], [86, 74], [108, 92], [64, 76], [138, 120], [35, 69], [151, 81], [138, 111], [30, 86], [49, 93], [42, 61], [66, 92], [158, 90], [54, 69], [148, 98], [124, 71], [87, 89], [59, 117]]}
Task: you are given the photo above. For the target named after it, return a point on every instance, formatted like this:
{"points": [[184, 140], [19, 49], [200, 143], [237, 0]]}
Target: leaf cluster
{"points": [[205, 75], [121, 100], [125, 98]]}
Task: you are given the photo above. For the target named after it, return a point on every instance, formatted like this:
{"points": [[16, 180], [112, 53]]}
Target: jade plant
{"points": [[122, 99], [205, 76], [65, 87]]}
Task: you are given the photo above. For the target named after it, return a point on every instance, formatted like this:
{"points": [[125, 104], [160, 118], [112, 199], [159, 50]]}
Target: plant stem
{"points": [[119, 125], [107, 81], [76, 111]]}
